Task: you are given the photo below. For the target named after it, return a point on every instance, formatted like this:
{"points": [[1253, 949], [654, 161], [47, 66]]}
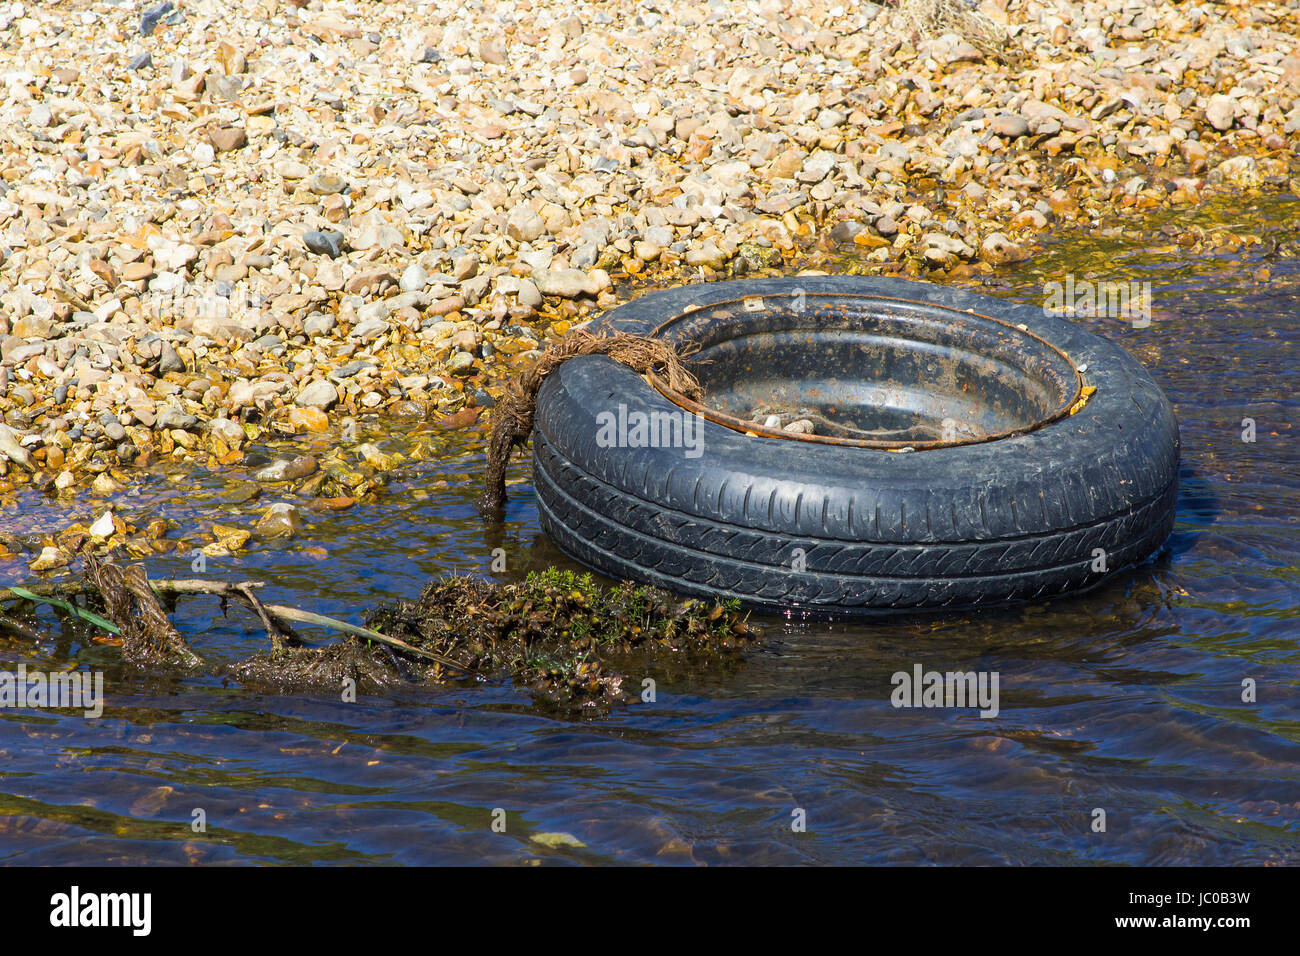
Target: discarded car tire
{"points": [[1038, 505]]}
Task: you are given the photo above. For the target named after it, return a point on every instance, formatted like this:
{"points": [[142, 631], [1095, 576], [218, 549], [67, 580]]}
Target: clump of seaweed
{"points": [[560, 635], [148, 636], [348, 662]]}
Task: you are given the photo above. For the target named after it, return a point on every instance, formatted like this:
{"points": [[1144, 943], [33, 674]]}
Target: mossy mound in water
{"points": [[560, 635], [567, 639], [367, 666]]}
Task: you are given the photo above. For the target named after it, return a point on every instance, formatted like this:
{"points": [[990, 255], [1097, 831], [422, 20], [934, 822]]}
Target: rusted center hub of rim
{"points": [[870, 371]]}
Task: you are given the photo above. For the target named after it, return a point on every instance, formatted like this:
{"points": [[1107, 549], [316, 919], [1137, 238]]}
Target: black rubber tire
{"points": [[1014, 519]]}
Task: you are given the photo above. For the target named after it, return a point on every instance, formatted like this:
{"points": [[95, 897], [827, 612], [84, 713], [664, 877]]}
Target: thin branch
{"points": [[166, 586], [277, 633], [307, 617], [21, 629], [241, 592]]}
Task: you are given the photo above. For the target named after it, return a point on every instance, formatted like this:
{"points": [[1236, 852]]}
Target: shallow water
{"points": [[1127, 699]]}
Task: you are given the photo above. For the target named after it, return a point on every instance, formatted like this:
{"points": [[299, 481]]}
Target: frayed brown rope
{"points": [[512, 418]]}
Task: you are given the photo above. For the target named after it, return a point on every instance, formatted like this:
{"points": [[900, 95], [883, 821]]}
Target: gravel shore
{"points": [[221, 220]]}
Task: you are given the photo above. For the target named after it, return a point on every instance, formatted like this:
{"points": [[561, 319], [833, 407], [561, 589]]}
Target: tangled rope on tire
{"points": [[512, 419]]}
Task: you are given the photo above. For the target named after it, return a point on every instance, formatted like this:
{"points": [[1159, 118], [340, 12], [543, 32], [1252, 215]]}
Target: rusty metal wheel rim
{"points": [[735, 423]]}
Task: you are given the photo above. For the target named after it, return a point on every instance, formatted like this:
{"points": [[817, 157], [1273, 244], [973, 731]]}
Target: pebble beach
{"points": [[224, 225]]}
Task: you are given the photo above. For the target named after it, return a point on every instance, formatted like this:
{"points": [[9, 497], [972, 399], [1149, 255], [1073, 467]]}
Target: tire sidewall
{"points": [[1119, 450]]}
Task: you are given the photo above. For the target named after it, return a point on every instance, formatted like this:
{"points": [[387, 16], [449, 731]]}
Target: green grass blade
{"points": [[82, 613]]}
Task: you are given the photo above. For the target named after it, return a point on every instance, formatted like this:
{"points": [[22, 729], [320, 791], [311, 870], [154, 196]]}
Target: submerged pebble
{"points": [[288, 469]]}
